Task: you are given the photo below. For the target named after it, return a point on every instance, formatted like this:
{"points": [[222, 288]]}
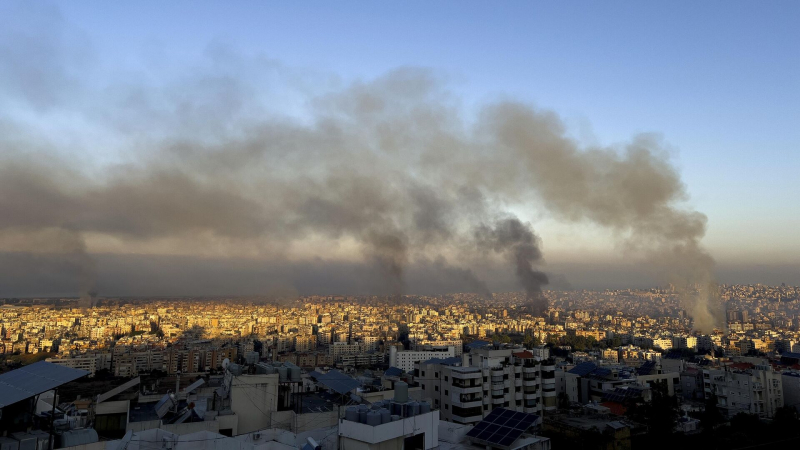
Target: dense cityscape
{"points": [[589, 365]]}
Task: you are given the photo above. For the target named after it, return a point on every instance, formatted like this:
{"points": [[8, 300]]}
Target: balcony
{"points": [[464, 384]]}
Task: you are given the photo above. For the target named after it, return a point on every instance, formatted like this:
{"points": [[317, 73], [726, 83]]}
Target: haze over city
{"points": [[359, 149]]}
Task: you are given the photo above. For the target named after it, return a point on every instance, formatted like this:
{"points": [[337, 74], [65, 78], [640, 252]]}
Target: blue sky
{"points": [[719, 80]]}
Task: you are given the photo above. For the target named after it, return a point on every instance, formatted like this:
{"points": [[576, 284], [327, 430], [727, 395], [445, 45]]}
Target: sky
{"points": [[717, 82]]}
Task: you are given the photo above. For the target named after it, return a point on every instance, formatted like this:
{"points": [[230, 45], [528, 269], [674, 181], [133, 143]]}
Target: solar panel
{"points": [[28, 381], [582, 368], [338, 381], [480, 426], [502, 427]]}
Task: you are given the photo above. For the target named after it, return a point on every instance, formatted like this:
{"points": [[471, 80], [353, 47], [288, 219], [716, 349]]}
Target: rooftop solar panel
{"points": [[582, 368], [338, 381], [480, 426], [34, 379], [502, 427]]}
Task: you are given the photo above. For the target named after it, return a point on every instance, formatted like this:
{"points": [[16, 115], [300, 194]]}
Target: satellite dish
{"points": [[225, 363]]}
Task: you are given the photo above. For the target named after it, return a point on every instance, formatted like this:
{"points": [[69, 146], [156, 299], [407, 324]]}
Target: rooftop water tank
{"points": [[251, 357], [362, 415], [283, 374], [294, 373], [386, 416], [235, 369], [397, 408], [373, 418], [401, 392], [424, 407], [395, 417], [351, 414]]}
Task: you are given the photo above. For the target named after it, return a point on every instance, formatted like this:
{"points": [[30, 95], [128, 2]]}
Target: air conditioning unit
{"points": [[256, 436]]}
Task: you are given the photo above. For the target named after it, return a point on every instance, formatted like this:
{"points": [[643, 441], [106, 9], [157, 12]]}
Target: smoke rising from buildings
{"points": [[390, 172], [512, 237]]}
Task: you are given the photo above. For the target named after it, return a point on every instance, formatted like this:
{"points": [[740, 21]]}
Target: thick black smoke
{"points": [[515, 239]]}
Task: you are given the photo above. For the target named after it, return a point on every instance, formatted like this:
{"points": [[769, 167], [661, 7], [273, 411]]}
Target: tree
{"points": [[711, 416]]}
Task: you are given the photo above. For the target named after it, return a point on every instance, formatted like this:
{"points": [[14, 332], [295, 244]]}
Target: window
{"points": [[446, 392], [485, 407], [436, 388], [446, 406], [485, 379], [423, 387], [445, 378], [436, 374], [423, 373]]}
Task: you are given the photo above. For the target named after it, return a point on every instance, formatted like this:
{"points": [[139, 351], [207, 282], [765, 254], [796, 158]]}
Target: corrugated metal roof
{"points": [[29, 381]]}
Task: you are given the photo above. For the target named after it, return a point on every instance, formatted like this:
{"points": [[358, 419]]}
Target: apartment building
{"points": [[405, 359], [432, 345], [89, 362], [465, 391], [744, 387]]}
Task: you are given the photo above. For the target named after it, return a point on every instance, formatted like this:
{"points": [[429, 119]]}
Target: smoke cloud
{"points": [[223, 161], [516, 239]]}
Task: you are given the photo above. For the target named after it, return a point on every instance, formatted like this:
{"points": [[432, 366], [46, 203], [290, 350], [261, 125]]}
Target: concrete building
{"points": [[407, 431], [465, 391], [747, 388], [405, 359]]}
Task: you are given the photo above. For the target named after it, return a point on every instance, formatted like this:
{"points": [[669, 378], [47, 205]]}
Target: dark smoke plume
{"points": [[245, 160], [512, 237]]}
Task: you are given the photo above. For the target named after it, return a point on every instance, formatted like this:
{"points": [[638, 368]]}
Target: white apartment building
{"points": [[757, 390], [486, 379], [662, 343], [689, 342], [405, 359]]}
